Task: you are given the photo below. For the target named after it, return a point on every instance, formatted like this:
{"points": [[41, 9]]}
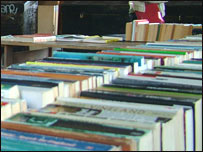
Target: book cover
{"points": [[125, 144], [17, 140], [70, 125], [99, 57]]}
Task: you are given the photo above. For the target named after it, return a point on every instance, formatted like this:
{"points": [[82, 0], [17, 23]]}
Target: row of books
{"points": [[181, 88], [142, 30], [67, 76], [179, 85], [40, 37], [160, 53], [154, 98], [154, 109]]}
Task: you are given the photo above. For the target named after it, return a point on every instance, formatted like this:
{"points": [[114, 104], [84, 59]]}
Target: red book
{"points": [[152, 13]]}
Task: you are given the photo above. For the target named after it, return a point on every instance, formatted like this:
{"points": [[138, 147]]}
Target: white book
{"points": [[21, 102], [172, 129], [9, 91], [6, 110], [37, 97]]}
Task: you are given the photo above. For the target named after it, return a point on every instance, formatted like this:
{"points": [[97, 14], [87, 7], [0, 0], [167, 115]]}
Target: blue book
{"points": [[100, 57], [21, 141]]}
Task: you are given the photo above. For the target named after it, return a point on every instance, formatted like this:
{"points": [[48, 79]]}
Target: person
{"points": [[154, 11]]}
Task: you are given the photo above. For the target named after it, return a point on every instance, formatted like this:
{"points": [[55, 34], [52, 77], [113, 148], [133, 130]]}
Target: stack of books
{"points": [[142, 30], [41, 37]]}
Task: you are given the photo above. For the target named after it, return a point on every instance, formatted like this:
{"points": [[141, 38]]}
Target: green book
{"points": [[151, 51]]}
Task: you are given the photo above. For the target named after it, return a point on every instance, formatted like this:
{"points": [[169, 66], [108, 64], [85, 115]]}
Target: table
{"points": [[8, 47]]}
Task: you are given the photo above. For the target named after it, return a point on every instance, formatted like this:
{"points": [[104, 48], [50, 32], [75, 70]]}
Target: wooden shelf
{"points": [[8, 47]]}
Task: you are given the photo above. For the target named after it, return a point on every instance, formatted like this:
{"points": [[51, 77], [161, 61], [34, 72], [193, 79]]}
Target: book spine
{"points": [[44, 39], [128, 31]]}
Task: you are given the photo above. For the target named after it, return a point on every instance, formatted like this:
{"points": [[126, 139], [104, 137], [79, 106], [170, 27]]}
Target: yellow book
{"points": [[71, 65]]}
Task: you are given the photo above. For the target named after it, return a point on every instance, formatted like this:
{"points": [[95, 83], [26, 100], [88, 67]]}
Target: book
{"points": [[86, 38], [135, 28], [120, 37], [102, 77], [128, 31], [6, 110], [151, 51], [107, 75], [162, 82], [165, 59], [151, 32], [70, 37], [153, 99], [177, 44], [141, 32], [62, 110], [178, 31], [99, 57], [84, 80], [151, 88], [154, 73], [100, 39], [103, 113], [118, 110], [38, 37], [135, 135], [10, 107], [18, 140], [119, 71], [9, 91], [26, 80], [36, 97], [19, 104], [136, 108], [192, 62], [124, 67], [180, 68], [157, 45], [125, 144]]}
